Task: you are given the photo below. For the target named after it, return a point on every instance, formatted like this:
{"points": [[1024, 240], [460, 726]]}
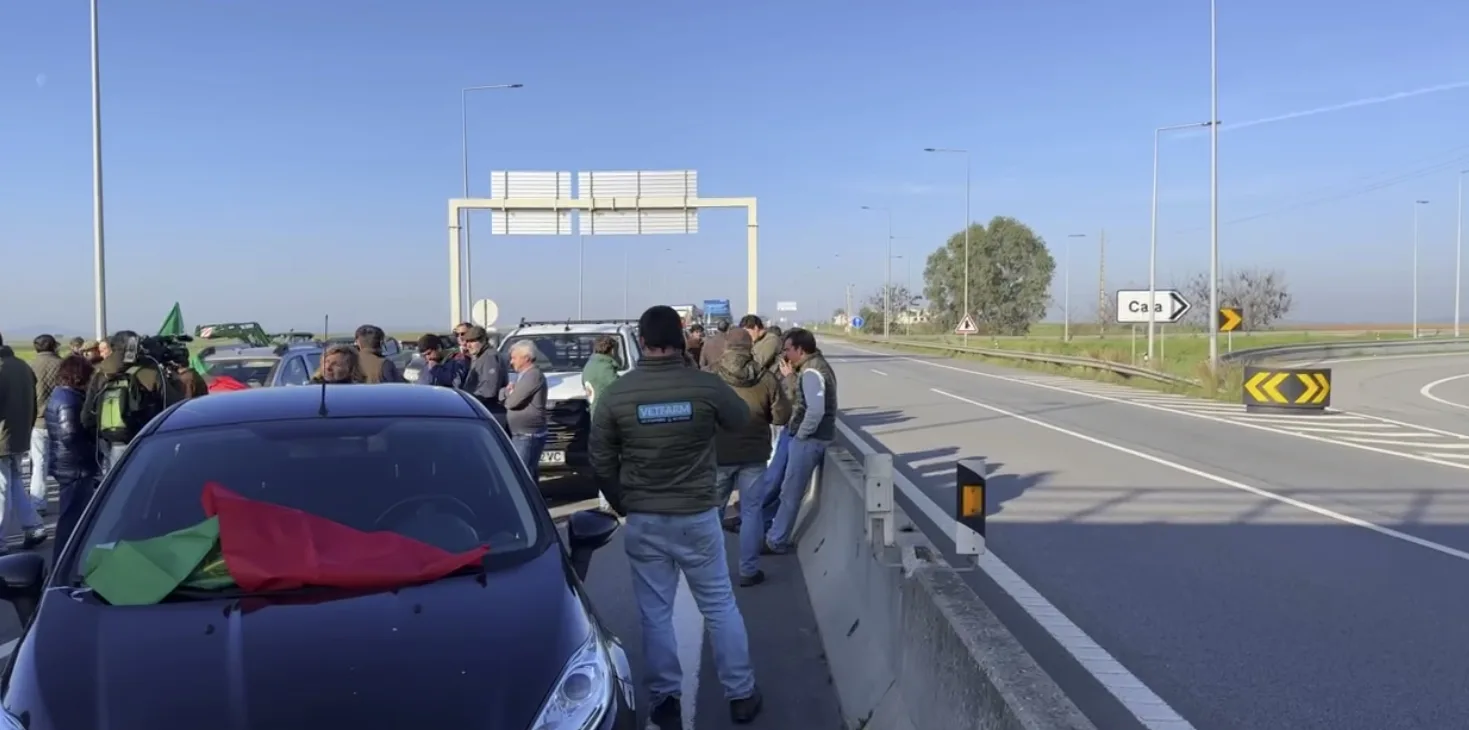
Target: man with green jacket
{"points": [[600, 370], [765, 347], [653, 453], [744, 452]]}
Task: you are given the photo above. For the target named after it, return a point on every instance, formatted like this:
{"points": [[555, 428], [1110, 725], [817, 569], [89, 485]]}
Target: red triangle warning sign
{"points": [[966, 326]]}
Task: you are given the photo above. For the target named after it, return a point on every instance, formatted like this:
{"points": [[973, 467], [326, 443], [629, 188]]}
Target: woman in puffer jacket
{"points": [[70, 448]]}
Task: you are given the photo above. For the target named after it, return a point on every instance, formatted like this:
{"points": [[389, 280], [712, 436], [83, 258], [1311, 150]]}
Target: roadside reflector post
{"points": [[878, 491], [969, 506], [1286, 390]]}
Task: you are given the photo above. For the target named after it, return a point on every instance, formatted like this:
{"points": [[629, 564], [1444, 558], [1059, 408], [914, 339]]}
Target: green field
{"points": [[1184, 354]]}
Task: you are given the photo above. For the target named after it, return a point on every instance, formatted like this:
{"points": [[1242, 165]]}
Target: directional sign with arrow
{"points": [[1168, 306], [1230, 318], [1287, 388]]}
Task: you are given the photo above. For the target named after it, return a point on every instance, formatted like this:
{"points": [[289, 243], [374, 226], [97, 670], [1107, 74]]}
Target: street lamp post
{"points": [[99, 258], [464, 153], [887, 289], [968, 222], [1153, 237], [1459, 253], [1066, 300], [1213, 187], [1416, 205]]}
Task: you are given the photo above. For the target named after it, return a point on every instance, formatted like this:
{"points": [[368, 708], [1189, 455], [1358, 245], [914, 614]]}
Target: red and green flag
{"points": [[263, 547]]}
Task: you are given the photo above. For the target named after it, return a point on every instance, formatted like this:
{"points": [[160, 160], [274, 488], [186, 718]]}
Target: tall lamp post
{"points": [[1153, 237], [968, 222], [1066, 300], [1459, 253], [464, 153], [1416, 205], [1213, 186], [887, 289], [99, 258]]}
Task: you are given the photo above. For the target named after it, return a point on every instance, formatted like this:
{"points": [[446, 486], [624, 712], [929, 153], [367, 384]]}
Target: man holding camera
{"points": [[128, 389]]}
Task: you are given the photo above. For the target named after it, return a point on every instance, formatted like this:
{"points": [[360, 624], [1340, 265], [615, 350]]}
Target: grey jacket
{"points": [[487, 378], [525, 403]]}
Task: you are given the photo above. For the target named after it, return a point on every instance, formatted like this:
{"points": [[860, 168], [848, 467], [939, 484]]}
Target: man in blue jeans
{"points": [[812, 428], [653, 452], [525, 407]]}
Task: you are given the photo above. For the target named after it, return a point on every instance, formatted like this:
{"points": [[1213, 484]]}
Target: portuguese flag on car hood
{"points": [[260, 546]]}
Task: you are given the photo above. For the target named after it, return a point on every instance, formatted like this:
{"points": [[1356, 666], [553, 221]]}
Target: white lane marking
{"points": [[1187, 413], [1257, 491], [1405, 424], [879, 372], [1395, 442], [688, 631], [1144, 704], [8, 648], [1427, 391]]}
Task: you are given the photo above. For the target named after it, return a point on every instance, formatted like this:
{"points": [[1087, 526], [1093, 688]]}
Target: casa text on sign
{"points": [[1168, 306]]}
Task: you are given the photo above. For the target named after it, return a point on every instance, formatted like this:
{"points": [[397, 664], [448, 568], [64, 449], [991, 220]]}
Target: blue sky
{"points": [[278, 161]]}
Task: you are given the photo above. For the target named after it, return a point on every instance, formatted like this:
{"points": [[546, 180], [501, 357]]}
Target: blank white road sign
{"points": [[1169, 306]]}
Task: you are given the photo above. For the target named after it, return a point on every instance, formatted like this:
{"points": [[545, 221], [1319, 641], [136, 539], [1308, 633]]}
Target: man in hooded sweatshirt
{"points": [[742, 453]]}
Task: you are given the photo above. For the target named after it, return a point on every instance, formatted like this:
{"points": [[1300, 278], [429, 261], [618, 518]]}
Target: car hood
{"points": [[560, 386], [465, 652]]}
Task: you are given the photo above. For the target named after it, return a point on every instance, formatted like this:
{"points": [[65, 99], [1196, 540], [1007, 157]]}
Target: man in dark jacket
{"points": [[17, 419], [487, 375], [694, 343], [375, 367], [155, 390], [714, 346], [653, 452], [812, 428], [743, 452], [437, 369], [71, 449], [44, 365]]}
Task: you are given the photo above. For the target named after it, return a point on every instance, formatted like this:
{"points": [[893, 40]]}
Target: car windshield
{"points": [[558, 352], [252, 371], [446, 482]]}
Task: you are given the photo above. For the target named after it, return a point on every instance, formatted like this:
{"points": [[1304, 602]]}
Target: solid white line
{"points": [[688, 631], [1427, 391], [1186, 413], [879, 372], [1145, 705], [1307, 506]]}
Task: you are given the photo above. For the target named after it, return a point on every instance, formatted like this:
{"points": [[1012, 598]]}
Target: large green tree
{"points": [[1010, 272]]}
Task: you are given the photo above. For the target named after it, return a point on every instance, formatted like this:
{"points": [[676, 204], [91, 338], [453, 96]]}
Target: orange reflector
{"points": [[971, 500]]}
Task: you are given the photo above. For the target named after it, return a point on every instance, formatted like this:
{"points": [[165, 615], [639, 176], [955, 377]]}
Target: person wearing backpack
{"points": [[123, 396]]}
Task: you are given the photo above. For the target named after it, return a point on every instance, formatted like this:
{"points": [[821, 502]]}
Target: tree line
{"points": [[1013, 283]]}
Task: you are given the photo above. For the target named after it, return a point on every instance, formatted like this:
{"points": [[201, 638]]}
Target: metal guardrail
{"points": [[1117, 368], [1312, 351]]}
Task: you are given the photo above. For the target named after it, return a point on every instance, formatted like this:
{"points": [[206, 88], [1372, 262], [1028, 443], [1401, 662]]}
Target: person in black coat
{"points": [[71, 448]]}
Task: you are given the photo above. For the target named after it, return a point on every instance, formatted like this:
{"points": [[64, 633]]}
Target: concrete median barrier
{"points": [[909, 644]]}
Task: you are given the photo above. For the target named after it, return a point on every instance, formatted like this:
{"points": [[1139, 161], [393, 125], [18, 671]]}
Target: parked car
{"points": [[509, 639], [264, 367]]}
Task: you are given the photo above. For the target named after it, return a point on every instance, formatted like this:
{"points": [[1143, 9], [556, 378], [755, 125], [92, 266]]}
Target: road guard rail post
{"points": [[1287, 390], [877, 488], [970, 503]]}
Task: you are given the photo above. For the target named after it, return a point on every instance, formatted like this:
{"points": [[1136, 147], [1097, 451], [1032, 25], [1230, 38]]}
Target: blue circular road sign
{"points": [[858, 322]]}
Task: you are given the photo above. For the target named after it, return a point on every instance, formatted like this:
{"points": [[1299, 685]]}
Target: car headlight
{"points": [[583, 694]]}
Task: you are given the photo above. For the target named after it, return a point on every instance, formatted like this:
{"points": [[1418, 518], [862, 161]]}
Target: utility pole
{"points": [[849, 308], [1102, 284]]}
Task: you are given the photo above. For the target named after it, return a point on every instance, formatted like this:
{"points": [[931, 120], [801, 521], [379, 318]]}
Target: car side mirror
{"points": [[586, 531], [21, 576]]}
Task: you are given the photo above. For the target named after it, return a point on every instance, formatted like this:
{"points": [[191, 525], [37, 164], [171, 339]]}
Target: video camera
{"points": [[170, 350]]}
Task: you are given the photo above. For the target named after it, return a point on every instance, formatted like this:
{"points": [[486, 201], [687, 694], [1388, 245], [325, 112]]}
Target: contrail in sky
{"points": [[1369, 101]]}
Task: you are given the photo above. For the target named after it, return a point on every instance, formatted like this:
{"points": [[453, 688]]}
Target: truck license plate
{"points": [[553, 457]]}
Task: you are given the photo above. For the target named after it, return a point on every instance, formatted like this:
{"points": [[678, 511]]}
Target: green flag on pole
{"points": [[173, 324]]}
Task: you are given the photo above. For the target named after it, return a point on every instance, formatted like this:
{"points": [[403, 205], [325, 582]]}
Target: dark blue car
{"points": [[511, 642]]}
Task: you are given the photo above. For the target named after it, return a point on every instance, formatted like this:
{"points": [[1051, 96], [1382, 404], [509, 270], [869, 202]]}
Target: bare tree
{"points": [[1263, 294]]}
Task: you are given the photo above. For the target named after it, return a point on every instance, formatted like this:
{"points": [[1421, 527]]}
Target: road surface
{"points": [[1429, 390], [790, 663], [1260, 572]]}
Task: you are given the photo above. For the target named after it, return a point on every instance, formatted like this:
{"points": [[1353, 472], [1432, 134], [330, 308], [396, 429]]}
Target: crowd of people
{"points": [[745, 409]]}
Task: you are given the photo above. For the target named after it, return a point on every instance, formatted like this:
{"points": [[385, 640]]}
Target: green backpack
{"points": [[123, 408]]}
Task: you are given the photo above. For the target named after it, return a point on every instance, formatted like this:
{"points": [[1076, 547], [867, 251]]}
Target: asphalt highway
{"points": [[1260, 572], [790, 663], [1427, 390]]}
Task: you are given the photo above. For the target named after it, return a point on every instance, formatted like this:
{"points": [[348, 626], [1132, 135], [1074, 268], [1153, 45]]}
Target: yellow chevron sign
{"points": [[1230, 318], [1288, 388]]}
